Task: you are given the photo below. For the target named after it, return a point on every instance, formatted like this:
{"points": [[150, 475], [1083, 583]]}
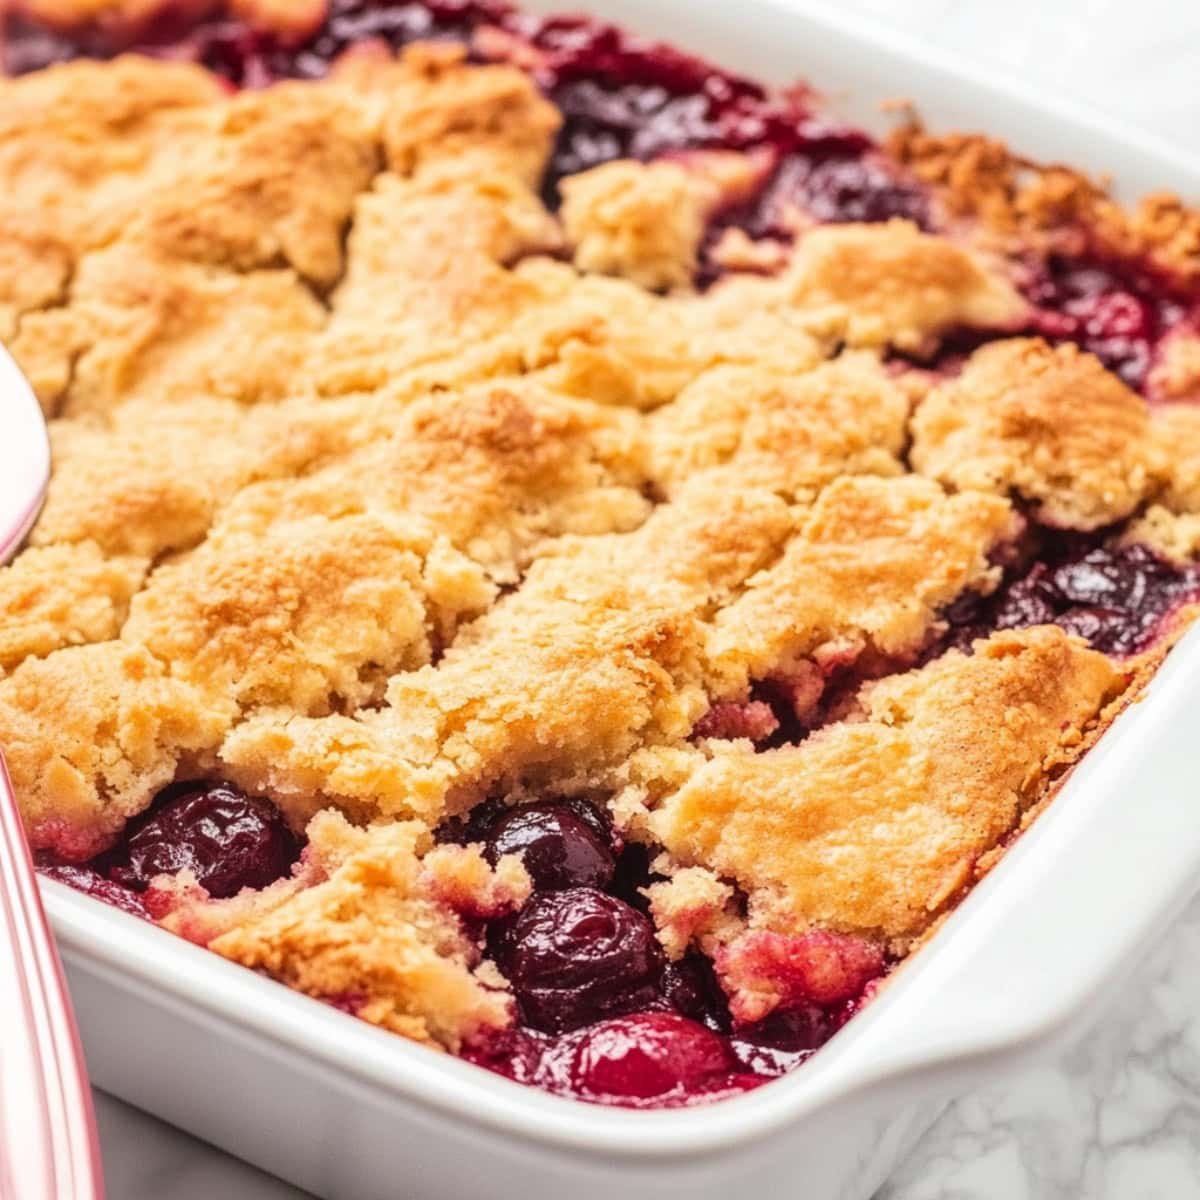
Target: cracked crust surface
{"points": [[1051, 426], [381, 488], [376, 935], [641, 221], [873, 824], [1013, 198]]}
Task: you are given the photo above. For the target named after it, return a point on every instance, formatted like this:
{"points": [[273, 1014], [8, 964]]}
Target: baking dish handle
{"points": [[1031, 955], [48, 1146]]}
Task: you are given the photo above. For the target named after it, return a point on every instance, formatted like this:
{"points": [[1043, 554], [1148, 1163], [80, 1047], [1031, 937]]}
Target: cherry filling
{"points": [[1117, 312], [646, 1060], [227, 839], [91, 882], [558, 845], [1117, 597], [578, 955], [603, 1015]]}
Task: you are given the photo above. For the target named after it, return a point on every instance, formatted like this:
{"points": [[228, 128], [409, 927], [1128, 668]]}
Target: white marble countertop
{"points": [[1118, 1119]]}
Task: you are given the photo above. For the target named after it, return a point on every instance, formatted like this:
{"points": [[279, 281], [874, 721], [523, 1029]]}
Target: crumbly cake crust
{"points": [[981, 178], [872, 824], [1050, 425], [383, 490], [374, 929]]}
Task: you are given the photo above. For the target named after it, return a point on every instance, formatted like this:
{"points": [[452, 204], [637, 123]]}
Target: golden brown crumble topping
{"points": [[979, 177], [645, 222], [1172, 524], [383, 490], [872, 825], [1050, 425], [378, 929]]}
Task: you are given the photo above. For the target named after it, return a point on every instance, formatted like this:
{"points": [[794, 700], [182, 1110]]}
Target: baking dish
{"points": [[346, 1111]]}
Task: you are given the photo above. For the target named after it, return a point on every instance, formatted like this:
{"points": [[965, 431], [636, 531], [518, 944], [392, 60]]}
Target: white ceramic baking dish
{"points": [[344, 1110]]}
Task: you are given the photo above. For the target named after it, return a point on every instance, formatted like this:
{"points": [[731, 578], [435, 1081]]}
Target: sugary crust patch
{"points": [[641, 221], [440, 108], [35, 265], [1051, 426], [787, 432], [90, 734], [375, 936], [140, 327], [273, 184], [872, 564], [873, 826], [1013, 198], [292, 616], [84, 143], [61, 596], [496, 469], [891, 284], [152, 478]]}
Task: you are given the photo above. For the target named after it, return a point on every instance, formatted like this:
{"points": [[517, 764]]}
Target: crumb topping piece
{"points": [[1049, 425], [791, 433], [90, 733], [642, 221], [1176, 375], [57, 596], [871, 826], [891, 284], [375, 935], [1171, 525], [872, 564]]}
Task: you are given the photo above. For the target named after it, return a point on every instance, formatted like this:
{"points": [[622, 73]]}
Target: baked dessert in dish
{"points": [[554, 549]]}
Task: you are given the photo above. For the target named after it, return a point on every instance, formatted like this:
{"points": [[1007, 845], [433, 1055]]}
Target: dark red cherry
{"points": [[1114, 596], [860, 189], [578, 955], [648, 1056], [690, 986], [228, 839], [89, 881], [559, 849], [1118, 311], [784, 1040]]}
